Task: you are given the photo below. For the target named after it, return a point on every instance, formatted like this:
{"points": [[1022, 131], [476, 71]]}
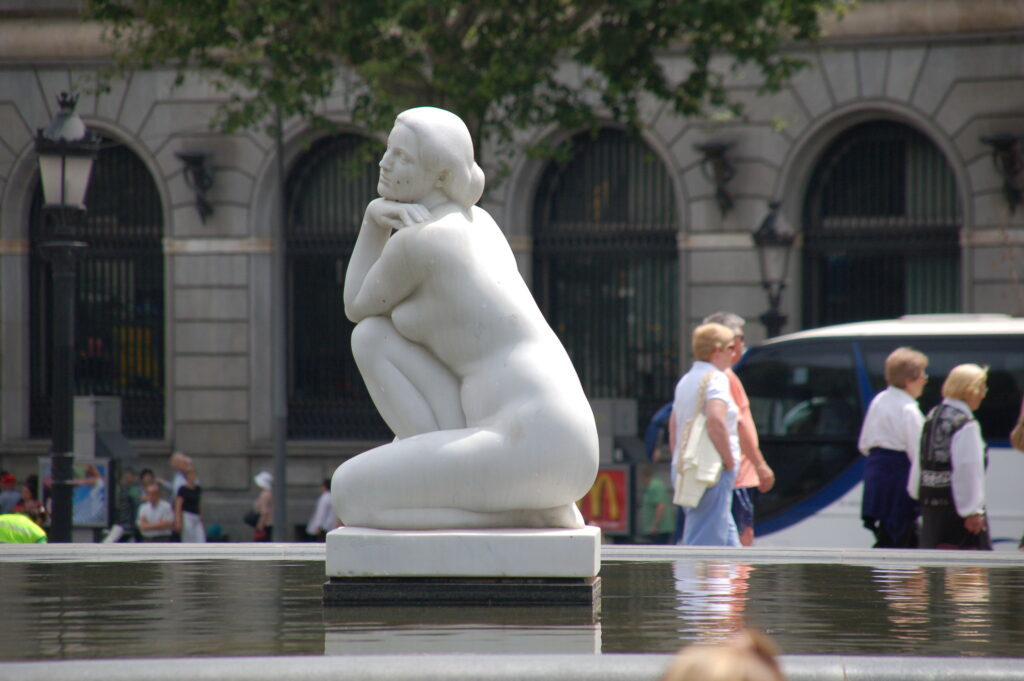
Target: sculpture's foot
{"points": [[567, 516]]}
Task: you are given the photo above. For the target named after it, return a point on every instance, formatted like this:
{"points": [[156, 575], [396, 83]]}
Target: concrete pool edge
{"points": [[83, 552], [608, 667]]}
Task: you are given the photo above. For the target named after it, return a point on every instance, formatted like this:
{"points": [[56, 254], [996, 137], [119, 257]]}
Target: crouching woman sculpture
{"points": [[492, 426]]}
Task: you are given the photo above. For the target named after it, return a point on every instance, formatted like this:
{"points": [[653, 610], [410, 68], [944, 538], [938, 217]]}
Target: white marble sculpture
{"points": [[492, 427]]}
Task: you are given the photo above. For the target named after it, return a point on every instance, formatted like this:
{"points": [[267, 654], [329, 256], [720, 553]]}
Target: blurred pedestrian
{"points": [[29, 504], [705, 389], [746, 656], [1017, 434], [18, 528], [323, 519], [948, 476], [754, 474], [657, 515], [155, 518], [889, 438], [9, 493], [188, 510], [180, 463], [263, 506]]}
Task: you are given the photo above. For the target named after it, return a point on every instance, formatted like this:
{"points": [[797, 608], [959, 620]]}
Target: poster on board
{"points": [[89, 494]]}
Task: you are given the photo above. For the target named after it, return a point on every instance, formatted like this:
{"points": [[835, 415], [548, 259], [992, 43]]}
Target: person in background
{"points": [[710, 522], [155, 519], [948, 475], [180, 462], [29, 504], [746, 656], [264, 507], [1017, 441], [754, 475], [323, 519], [18, 528], [657, 516], [9, 493], [889, 438], [188, 518]]}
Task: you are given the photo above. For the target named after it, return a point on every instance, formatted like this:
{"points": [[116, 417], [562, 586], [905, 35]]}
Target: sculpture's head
{"points": [[429, 149]]}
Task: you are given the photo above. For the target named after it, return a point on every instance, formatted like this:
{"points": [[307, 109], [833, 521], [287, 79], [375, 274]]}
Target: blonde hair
{"points": [[445, 144], [710, 337], [965, 381], [904, 365], [747, 656]]}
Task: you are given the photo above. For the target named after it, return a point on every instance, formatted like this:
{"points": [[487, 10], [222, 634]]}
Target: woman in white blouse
{"points": [[948, 477], [889, 438]]}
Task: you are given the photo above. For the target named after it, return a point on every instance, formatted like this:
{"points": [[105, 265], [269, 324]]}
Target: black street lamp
{"points": [[773, 249], [66, 151]]}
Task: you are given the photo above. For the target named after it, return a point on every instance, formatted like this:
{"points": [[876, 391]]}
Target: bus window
{"points": [[802, 389], [804, 400], [1003, 356]]}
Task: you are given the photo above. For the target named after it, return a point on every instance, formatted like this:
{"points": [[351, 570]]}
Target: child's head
{"points": [[747, 656]]}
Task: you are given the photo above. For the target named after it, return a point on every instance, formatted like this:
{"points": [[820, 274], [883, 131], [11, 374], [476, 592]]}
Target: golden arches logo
{"points": [[604, 487]]}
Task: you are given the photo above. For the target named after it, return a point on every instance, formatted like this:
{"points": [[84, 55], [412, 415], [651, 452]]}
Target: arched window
{"points": [[327, 192], [881, 228], [606, 267], [119, 307]]}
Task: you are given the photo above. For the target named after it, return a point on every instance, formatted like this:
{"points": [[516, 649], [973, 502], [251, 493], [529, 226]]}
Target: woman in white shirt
{"points": [[948, 477], [890, 438], [710, 523]]}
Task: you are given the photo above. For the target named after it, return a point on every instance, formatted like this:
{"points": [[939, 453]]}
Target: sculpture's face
{"points": [[402, 175]]}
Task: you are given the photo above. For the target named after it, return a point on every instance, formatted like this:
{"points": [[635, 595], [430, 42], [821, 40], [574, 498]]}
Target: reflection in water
{"points": [[202, 608], [416, 630], [712, 597], [905, 590], [967, 588]]}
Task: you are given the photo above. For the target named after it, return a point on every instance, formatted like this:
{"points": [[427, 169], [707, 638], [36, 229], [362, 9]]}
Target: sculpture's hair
{"points": [[709, 337], [729, 319], [445, 144], [747, 656], [965, 381], [904, 365]]}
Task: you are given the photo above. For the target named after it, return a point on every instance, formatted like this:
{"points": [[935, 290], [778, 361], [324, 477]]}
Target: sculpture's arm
{"points": [[379, 273]]}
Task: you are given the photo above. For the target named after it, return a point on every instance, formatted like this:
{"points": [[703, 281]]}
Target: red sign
{"points": [[607, 504]]}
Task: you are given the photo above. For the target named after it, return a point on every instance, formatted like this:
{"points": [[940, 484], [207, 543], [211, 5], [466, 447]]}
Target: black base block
{"points": [[485, 591]]}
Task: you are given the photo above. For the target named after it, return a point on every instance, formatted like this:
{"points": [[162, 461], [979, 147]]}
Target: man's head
{"points": [[7, 481], [734, 323], [153, 493]]}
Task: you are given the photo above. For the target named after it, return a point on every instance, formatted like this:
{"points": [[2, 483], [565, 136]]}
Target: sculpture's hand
{"points": [[395, 215]]}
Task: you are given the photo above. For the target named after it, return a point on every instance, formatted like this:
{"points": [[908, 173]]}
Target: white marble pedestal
{"points": [[463, 567]]}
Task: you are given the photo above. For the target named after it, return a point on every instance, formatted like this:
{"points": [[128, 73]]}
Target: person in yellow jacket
{"points": [[16, 528]]}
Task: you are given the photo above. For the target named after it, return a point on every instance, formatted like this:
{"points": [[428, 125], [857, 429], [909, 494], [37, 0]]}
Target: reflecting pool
{"points": [[185, 608]]}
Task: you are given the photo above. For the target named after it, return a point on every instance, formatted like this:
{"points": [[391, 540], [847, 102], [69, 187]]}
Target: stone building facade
{"points": [[943, 74]]}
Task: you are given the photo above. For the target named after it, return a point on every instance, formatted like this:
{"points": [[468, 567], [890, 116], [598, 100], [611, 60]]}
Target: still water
{"points": [[152, 609]]}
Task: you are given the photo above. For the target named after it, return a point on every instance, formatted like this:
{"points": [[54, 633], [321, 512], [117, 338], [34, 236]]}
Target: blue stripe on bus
{"points": [[816, 502]]}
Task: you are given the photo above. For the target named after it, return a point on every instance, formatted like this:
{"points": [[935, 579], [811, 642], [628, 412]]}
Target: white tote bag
{"points": [[698, 463]]}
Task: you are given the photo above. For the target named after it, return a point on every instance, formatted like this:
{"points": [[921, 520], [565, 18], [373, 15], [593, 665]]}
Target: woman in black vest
{"points": [[949, 476]]}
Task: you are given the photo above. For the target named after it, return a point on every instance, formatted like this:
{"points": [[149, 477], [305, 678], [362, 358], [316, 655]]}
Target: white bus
{"points": [[809, 392]]}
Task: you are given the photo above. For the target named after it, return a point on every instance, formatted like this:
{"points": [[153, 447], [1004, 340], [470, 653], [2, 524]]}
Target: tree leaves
{"points": [[499, 64]]}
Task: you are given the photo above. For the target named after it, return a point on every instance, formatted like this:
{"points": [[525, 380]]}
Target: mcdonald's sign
{"points": [[609, 504]]}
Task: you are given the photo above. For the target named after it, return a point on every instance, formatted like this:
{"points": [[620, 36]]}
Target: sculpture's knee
{"points": [[368, 336], [345, 495]]}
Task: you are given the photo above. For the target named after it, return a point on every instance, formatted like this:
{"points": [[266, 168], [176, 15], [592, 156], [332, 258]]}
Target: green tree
{"points": [[496, 63]]}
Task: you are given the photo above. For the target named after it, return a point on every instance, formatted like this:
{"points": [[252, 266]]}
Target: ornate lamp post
{"points": [[773, 249], [66, 151]]}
